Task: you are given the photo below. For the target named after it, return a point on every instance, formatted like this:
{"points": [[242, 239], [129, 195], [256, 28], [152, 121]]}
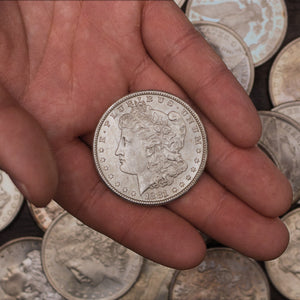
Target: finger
{"points": [[153, 232], [225, 218], [248, 174], [25, 153], [186, 57]]}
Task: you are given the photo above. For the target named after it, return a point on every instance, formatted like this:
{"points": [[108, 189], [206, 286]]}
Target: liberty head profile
{"points": [[150, 145]]}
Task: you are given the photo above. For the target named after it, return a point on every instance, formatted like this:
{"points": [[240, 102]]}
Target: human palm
{"points": [[64, 63]]}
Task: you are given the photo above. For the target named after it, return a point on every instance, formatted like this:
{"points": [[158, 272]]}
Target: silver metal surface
{"points": [[284, 79], [11, 200], [150, 147], [44, 216], [82, 263], [290, 109], [21, 273], [232, 49], [281, 135], [152, 284], [224, 274], [284, 271], [179, 2], [262, 24]]}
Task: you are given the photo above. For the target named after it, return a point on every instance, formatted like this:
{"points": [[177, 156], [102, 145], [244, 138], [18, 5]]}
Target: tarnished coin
{"points": [[21, 273], [284, 271], [284, 79], [281, 134], [232, 49], [290, 109], [11, 200], [82, 263], [150, 147], [44, 216], [152, 284], [262, 24], [224, 274]]}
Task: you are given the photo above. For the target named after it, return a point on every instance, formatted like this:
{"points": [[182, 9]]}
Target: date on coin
{"points": [[150, 147]]}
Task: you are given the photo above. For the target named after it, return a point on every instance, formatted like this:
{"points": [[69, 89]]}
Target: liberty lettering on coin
{"points": [[150, 147]]}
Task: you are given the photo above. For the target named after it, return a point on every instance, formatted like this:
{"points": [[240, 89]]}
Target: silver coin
{"points": [[281, 134], [232, 49], [11, 200], [224, 274], [150, 147], [290, 109], [284, 271], [284, 79], [152, 284], [82, 263], [262, 24], [269, 153], [21, 273], [44, 216]]}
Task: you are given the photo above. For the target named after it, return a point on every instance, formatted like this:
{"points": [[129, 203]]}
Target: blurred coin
{"points": [[232, 49], [290, 109], [152, 284], [21, 273], [262, 24], [281, 134], [150, 147], [284, 79], [81, 263], [284, 271], [224, 274], [268, 152], [44, 216], [11, 200]]}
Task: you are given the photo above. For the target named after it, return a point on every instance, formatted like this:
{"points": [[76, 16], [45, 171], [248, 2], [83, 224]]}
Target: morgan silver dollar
{"points": [[82, 263], [262, 24], [150, 147], [284, 271]]}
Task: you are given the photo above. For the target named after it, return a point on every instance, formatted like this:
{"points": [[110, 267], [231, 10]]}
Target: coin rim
{"points": [[274, 66], [187, 107], [277, 45], [243, 44]]}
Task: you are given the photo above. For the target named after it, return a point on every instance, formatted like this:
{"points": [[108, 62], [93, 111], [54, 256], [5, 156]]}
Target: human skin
{"points": [[62, 64]]}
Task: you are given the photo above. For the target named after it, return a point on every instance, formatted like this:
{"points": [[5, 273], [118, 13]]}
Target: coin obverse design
{"points": [[82, 263], [281, 134], [284, 271], [284, 79], [262, 24], [223, 274], [150, 147], [21, 272], [11, 200], [232, 49]]}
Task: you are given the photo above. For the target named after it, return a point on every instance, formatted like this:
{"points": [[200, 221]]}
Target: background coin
{"points": [[281, 134], [262, 24], [21, 273], [82, 263], [150, 147], [11, 200], [224, 274], [284, 79], [284, 271], [232, 49], [44, 216]]}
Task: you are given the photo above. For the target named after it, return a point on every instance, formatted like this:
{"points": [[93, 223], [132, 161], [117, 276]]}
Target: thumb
{"points": [[25, 153]]}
